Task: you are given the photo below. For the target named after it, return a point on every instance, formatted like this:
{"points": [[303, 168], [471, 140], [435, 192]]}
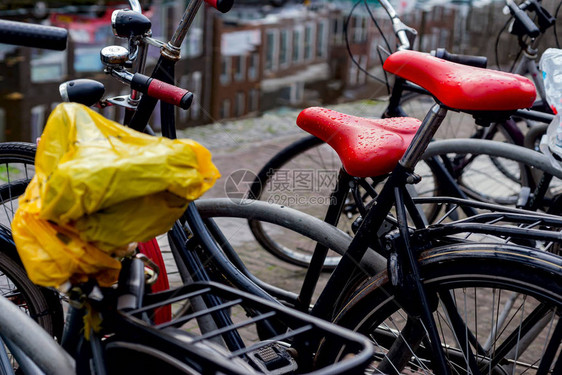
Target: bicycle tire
{"points": [[273, 241], [457, 273], [30, 344], [462, 125], [457, 124], [307, 154], [298, 223], [17, 167], [476, 179], [16, 286], [16, 170], [312, 155]]}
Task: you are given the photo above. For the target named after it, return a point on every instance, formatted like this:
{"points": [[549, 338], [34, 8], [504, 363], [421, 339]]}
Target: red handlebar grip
{"points": [[169, 94], [222, 6]]}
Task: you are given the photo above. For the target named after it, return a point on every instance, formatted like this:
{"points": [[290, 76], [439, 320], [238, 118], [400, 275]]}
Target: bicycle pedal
{"points": [[273, 359]]}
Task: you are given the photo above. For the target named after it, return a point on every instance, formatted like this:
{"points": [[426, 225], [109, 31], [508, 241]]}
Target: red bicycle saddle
{"points": [[463, 87], [366, 147]]}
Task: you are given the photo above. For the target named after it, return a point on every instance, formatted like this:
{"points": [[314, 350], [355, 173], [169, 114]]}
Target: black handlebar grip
{"points": [[222, 6], [31, 35], [523, 24], [471, 60]]}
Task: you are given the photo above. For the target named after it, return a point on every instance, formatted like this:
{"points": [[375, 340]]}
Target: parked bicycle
{"points": [[428, 273], [312, 155], [399, 348]]}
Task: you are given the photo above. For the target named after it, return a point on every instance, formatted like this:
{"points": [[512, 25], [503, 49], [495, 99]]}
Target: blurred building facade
{"points": [[252, 59]]}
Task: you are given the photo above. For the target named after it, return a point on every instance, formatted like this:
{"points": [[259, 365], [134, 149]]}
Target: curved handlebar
{"points": [[523, 25], [32, 35], [545, 19]]}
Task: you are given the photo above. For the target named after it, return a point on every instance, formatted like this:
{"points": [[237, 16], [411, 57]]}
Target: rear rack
{"points": [[501, 223], [233, 340]]}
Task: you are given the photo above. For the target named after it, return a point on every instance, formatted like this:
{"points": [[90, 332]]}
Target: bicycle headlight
{"points": [[127, 23]]}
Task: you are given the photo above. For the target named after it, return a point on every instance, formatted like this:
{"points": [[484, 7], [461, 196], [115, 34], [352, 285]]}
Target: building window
{"points": [[191, 82], [337, 30], [225, 109], [359, 29], [225, 70], [284, 48], [297, 45], [292, 94], [240, 104], [308, 42], [271, 50], [50, 66], [253, 100], [239, 68], [254, 62], [322, 39]]}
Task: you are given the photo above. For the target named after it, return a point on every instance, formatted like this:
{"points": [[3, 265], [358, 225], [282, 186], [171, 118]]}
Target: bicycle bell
{"points": [[114, 56]]}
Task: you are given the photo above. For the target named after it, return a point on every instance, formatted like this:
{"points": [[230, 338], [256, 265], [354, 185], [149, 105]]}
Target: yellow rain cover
{"points": [[98, 187]]}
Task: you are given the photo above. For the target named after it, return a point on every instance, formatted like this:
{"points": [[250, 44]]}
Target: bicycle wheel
{"points": [[459, 124], [318, 165], [470, 162], [297, 226], [33, 350], [499, 303], [16, 287], [17, 168]]}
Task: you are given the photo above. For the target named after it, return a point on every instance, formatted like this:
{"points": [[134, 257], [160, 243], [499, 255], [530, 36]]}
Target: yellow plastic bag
{"points": [[98, 187]]}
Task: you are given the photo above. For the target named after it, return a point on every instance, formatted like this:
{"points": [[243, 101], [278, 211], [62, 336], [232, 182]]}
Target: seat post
{"points": [[424, 135]]}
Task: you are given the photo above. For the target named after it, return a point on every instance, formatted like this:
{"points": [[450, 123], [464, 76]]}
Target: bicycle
{"points": [[129, 339], [328, 300], [311, 155], [197, 250], [398, 284]]}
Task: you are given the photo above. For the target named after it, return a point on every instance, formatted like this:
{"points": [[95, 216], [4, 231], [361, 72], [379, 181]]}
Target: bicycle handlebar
{"points": [[163, 91], [32, 35], [545, 19], [523, 25], [471, 60]]}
